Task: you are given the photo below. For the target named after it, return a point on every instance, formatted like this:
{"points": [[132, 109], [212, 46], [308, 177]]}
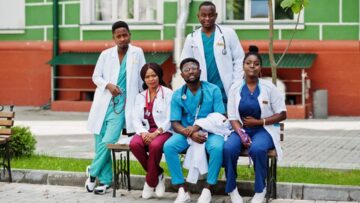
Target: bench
{"points": [[121, 167], [6, 122]]}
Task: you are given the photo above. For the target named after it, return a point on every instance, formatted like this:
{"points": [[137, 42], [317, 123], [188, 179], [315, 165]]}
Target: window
{"points": [[12, 16], [255, 10], [131, 11]]}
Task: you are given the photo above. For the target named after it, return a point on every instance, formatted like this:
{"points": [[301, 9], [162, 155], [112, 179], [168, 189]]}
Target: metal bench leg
{"points": [[115, 174], [8, 160], [275, 178], [128, 169], [271, 180]]}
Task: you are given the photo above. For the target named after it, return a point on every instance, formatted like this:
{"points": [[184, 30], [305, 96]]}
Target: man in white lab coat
{"points": [[117, 77], [217, 49]]}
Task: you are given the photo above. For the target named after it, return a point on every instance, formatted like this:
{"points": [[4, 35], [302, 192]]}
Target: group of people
{"points": [[223, 107]]}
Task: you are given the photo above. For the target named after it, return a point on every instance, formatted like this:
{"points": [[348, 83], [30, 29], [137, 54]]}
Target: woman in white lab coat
{"points": [[152, 124], [117, 77], [255, 108]]}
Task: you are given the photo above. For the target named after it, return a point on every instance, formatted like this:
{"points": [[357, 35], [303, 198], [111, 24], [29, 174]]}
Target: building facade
{"points": [[328, 30]]}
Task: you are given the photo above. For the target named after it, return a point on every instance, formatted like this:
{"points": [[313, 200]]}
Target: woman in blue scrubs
{"points": [[255, 107]]}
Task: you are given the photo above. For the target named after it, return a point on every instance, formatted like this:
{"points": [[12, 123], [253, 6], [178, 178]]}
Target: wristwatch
{"points": [[159, 130]]}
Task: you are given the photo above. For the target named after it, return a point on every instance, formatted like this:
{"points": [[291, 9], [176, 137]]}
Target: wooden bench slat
{"points": [[271, 153], [5, 131], [3, 140], [7, 114], [7, 123], [120, 147]]}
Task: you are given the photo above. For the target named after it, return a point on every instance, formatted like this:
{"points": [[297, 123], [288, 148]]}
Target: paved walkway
{"points": [[319, 143], [16, 192]]}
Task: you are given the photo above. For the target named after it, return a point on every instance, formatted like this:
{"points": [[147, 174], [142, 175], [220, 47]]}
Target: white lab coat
{"points": [[230, 65], [195, 158], [107, 71], [271, 101], [161, 111]]}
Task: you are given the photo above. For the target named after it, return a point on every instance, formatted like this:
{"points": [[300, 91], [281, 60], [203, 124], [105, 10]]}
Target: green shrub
{"points": [[22, 142]]}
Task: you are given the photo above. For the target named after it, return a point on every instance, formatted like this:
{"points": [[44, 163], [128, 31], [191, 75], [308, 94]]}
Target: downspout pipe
{"points": [[55, 45], [183, 6]]}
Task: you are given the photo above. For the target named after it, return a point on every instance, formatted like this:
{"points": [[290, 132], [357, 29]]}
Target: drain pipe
{"points": [[55, 46], [183, 6]]}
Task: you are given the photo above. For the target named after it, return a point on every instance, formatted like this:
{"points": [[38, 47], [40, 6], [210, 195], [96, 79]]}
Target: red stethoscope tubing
{"points": [[147, 102]]}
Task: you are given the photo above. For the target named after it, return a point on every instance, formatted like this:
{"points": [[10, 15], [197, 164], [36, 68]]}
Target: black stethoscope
{"points": [[224, 52], [184, 97], [147, 99]]}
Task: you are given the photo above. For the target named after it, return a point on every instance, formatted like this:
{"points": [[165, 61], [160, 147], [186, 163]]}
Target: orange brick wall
{"points": [[25, 76]]}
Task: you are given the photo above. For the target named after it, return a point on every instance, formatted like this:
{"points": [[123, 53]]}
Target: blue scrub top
{"points": [[249, 104], [184, 110], [121, 82], [213, 75]]}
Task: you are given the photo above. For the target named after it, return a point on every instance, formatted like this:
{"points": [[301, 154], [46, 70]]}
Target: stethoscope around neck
{"points": [[148, 99], [223, 51], [184, 97]]}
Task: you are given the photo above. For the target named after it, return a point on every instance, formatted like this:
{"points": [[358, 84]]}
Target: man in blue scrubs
{"points": [[194, 100]]}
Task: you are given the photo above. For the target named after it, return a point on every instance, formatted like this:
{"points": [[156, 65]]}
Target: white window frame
{"points": [[256, 23], [88, 22], [12, 17]]}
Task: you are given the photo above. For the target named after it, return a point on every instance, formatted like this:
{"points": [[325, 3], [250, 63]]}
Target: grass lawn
{"points": [[285, 174]]}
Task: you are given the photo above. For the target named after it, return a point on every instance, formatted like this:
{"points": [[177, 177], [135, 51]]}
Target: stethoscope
{"points": [[184, 97], [224, 52], [147, 99]]}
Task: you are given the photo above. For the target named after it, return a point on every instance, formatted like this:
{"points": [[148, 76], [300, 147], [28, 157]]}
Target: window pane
{"points": [[235, 9], [259, 8], [147, 10], [280, 13], [103, 10]]}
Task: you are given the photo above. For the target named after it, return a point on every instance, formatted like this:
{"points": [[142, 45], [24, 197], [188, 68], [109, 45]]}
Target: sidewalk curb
{"points": [[284, 190]]}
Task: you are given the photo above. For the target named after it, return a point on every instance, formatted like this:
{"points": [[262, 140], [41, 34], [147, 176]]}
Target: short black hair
{"points": [[120, 24], [187, 60], [207, 3], [253, 50], [158, 71]]}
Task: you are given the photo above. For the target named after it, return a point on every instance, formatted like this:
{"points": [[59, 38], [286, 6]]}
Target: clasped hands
{"points": [[148, 137], [194, 133]]}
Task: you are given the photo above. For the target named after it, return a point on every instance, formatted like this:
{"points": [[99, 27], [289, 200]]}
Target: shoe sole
{"points": [[101, 192], [87, 188]]}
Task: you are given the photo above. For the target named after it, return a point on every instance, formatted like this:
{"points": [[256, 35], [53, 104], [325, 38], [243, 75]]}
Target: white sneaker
{"points": [[160, 188], [147, 191], [205, 196], [101, 189], [182, 197], [89, 185], [235, 196], [259, 197]]}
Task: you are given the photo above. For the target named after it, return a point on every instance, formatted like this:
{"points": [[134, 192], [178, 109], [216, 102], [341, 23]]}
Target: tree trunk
{"points": [[271, 43]]}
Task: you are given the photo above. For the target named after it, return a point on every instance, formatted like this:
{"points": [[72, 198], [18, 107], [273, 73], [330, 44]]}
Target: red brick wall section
{"points": [[24, 74]]}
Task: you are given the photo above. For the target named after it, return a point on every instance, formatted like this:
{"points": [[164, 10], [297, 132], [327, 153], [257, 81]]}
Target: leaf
{"points": [[296, 8], [287, 3]]}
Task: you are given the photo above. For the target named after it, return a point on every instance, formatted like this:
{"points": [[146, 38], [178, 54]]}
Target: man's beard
{"points": [[193, 81]]}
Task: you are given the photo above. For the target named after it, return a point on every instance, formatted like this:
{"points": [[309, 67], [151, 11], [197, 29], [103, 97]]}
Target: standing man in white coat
{"points": [[117, 77], [217, 49]]}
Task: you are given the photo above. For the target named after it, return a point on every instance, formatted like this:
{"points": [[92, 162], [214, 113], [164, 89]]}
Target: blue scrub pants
{"points": [[177, 143], [109, 134], [261, 143]]}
